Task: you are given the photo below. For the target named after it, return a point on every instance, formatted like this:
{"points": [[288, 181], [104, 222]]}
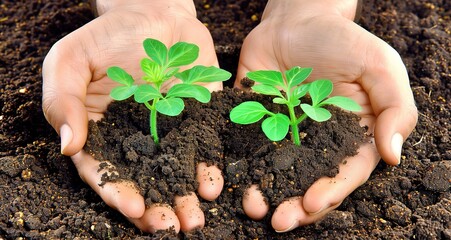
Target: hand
{"points": [[322, 35], [76, 89]]}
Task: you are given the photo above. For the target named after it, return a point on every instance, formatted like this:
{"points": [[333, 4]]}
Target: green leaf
{"points": [[343, 102], [183, 90], [122, 92], [319, 90], [151, 69], [201, 73], [119, 75], [170, 73], [170, 106], [156, 50], [316, 113], [248, 112], [182, 53], [276, 127], [295, 102], [267, 90], [300, 91], [280, 100], [297, 75], [145, 93], [268, 77]]}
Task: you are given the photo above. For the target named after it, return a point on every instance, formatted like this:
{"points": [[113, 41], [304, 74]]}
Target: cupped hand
{"points": [[361, 66], [76, 89]]}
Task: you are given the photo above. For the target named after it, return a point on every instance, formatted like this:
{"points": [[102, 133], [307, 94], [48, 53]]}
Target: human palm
{"points": [[362, 67], [77, 89]]}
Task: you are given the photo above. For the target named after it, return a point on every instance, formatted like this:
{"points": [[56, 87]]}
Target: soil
{"points": [[204, 133], [41, 195]]}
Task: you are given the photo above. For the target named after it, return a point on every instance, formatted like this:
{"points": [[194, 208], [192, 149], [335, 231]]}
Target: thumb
{"points": [[257, 53], [66, 75], [386, 81]]}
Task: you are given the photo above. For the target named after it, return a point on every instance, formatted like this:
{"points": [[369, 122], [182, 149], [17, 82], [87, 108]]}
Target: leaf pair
{"points": [[180, 54], [271, 80], [319, 90], [275, 126]]}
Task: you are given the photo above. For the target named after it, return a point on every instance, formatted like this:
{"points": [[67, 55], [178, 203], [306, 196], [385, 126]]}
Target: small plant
{"points": [[162, 65], [276, 125]]}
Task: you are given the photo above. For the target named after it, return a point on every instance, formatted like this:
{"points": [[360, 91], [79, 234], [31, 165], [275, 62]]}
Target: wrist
{"points": [[349, 9], [100, 7]]}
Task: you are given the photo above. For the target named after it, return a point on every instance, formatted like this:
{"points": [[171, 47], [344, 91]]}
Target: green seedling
{"points": [[276, 125], [162, 65]]}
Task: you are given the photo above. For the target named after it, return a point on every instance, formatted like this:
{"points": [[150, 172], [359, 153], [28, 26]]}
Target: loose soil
{"points": [[41, 195], [204, 133]]}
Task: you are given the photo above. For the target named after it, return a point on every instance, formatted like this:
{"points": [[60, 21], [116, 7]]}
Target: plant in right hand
{"points": [[277, 125]]}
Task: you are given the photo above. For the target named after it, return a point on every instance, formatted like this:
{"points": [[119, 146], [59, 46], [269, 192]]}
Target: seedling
{"points": [[276, 125], [163, 65]]}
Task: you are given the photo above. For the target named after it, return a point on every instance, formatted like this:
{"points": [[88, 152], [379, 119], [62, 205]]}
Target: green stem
{"points": [[294, 126], [295, 129], [153, 121], [302, 118], [153, 126], [295, 134]]}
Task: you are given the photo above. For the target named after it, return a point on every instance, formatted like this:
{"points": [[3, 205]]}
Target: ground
{"points": [[41, 195]]}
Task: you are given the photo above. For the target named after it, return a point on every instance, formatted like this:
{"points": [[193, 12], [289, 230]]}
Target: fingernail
{"points": [[293, 226], [396, 145], [66, 136]]}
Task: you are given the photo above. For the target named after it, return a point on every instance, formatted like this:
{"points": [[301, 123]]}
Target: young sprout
{"points": [[276, 125], [162, 65]]}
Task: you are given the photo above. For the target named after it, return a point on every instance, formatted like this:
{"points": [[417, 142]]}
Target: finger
{"points": [[210, 181], [196, 32], [386, 81], [327, 192], [122, 196], [254, 203], [243, 63], [290, 214], [257, 53], [157, 217], [66, 75], [187, 209]]}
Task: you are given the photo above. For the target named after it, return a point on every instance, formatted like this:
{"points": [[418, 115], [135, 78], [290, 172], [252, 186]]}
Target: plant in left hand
{"points": [[162, 65]]}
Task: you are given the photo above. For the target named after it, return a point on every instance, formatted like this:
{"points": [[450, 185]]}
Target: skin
{"points": [[322, 35], [76, 89], [292, 33]]}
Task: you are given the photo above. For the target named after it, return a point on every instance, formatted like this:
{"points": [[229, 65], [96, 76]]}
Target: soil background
{"points": [[42, 197]]}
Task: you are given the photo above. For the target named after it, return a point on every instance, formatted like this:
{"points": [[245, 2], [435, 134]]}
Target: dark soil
{"points": [[243, 153], [41, 195]]}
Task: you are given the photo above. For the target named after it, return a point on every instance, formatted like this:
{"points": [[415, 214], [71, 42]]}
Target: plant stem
{"points": [[294, 126], [295, 134], [295, 129], [302, 118], [153, 126], [153, 121]]}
